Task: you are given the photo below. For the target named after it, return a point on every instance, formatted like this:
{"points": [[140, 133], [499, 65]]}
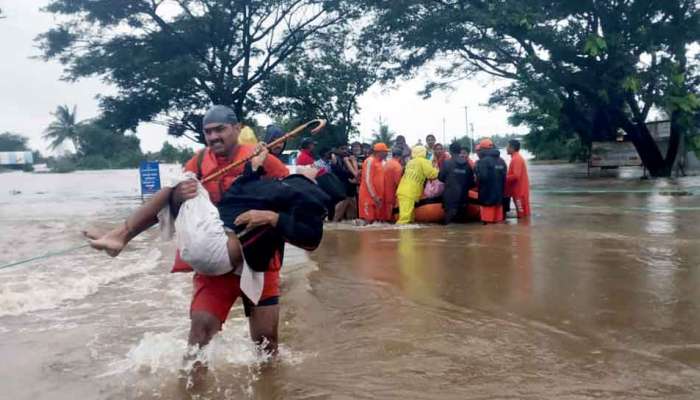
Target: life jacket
{"points": [[491, 173], [459, 178]]}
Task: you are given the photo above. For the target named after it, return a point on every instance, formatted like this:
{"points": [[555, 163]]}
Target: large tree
{"points": [[324, 81], [608, 63], [172, 58]]}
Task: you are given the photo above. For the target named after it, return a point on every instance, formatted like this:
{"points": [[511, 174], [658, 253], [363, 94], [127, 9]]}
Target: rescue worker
{"points": [[458, 177], [417, 171], [393, 169], [517, 180], [371, 202], [306, 155], [213, 296], [491, 177]]}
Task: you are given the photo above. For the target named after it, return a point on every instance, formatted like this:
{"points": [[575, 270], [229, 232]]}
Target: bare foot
{"points": [[112, 242]]}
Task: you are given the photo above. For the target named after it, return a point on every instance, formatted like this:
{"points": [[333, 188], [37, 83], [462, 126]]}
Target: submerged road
{"points": [[597, 296]]}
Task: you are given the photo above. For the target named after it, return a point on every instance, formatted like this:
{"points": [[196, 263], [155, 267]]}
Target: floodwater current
{"points": [[596, 296]]}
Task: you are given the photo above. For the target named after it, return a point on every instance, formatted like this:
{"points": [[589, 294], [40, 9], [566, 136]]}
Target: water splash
{"points": [[54, 281]]}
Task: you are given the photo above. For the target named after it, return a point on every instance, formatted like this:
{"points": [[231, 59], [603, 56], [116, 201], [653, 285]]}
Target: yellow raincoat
{"points": [[417, 171], [247, 136]]}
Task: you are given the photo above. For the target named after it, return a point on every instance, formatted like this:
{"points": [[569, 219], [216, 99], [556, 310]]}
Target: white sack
{"points": [[200, 235]]}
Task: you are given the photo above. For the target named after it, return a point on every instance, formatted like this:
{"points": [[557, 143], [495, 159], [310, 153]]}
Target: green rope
{"points": [[47, 255]]}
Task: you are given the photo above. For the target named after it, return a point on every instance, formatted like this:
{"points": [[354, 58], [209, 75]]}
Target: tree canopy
{"points": [[96, 146], [323, 81], [13, 142], [603, 65], [174, 58]]}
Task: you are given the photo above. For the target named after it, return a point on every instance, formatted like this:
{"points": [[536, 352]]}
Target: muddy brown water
{"points": [[596, 296]]}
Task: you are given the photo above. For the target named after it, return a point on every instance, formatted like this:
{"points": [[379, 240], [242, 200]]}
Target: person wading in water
{"points": [[491, 179]]}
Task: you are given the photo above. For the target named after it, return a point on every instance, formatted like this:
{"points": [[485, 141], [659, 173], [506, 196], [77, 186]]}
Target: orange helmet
{"points": [[485, 144], [380, 147]]}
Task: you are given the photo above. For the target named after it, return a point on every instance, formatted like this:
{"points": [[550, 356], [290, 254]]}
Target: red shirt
{"points": [[305, 157]]}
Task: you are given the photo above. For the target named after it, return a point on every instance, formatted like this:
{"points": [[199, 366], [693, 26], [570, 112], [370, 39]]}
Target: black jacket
{"points": [[298, 201], [491, 173], [458, 178]]}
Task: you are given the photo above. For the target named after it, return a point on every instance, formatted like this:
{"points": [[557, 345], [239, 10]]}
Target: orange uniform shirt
{"points": [[371, 187], [393, 170], [518, 184], [211, 163]]}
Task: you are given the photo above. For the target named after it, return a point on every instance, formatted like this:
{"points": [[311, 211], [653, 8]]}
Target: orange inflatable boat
{"points": [[434, 213]]}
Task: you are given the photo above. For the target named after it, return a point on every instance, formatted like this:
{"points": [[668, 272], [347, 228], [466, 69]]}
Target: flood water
{"points": [[597, 296]]}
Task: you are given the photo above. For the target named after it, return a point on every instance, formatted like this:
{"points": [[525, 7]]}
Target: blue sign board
{"points": [[150, 178]]}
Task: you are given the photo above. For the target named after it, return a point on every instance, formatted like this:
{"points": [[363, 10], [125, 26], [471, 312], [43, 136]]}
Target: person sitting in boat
{"points": [[458, 178], [417, 171]]}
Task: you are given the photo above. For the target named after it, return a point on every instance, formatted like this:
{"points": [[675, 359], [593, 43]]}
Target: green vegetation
{"points": [[322, 80], [171, 154], [209, 51], [579, 71], [586, 68], [384, 135], [96, 146], [13, 142]]}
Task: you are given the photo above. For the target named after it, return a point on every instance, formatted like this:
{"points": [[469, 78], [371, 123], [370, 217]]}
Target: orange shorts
{"points": [[217, 294]]}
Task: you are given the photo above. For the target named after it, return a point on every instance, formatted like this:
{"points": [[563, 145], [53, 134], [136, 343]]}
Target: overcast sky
{"points": [[30, 89]]}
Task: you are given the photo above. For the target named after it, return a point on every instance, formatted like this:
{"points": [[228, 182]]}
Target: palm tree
{"points": [[65, 127], [384, 135]]}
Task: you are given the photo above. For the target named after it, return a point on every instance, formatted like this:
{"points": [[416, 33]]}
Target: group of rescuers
{"points": [[379, 187], [383, 185]]}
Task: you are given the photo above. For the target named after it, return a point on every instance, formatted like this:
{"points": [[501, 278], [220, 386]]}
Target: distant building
{"points": [[16, 158]]}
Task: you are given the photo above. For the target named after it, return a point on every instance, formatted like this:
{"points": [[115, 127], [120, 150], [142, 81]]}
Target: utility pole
{"points": [[471, 126], [443, 130], [466, 120]]}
